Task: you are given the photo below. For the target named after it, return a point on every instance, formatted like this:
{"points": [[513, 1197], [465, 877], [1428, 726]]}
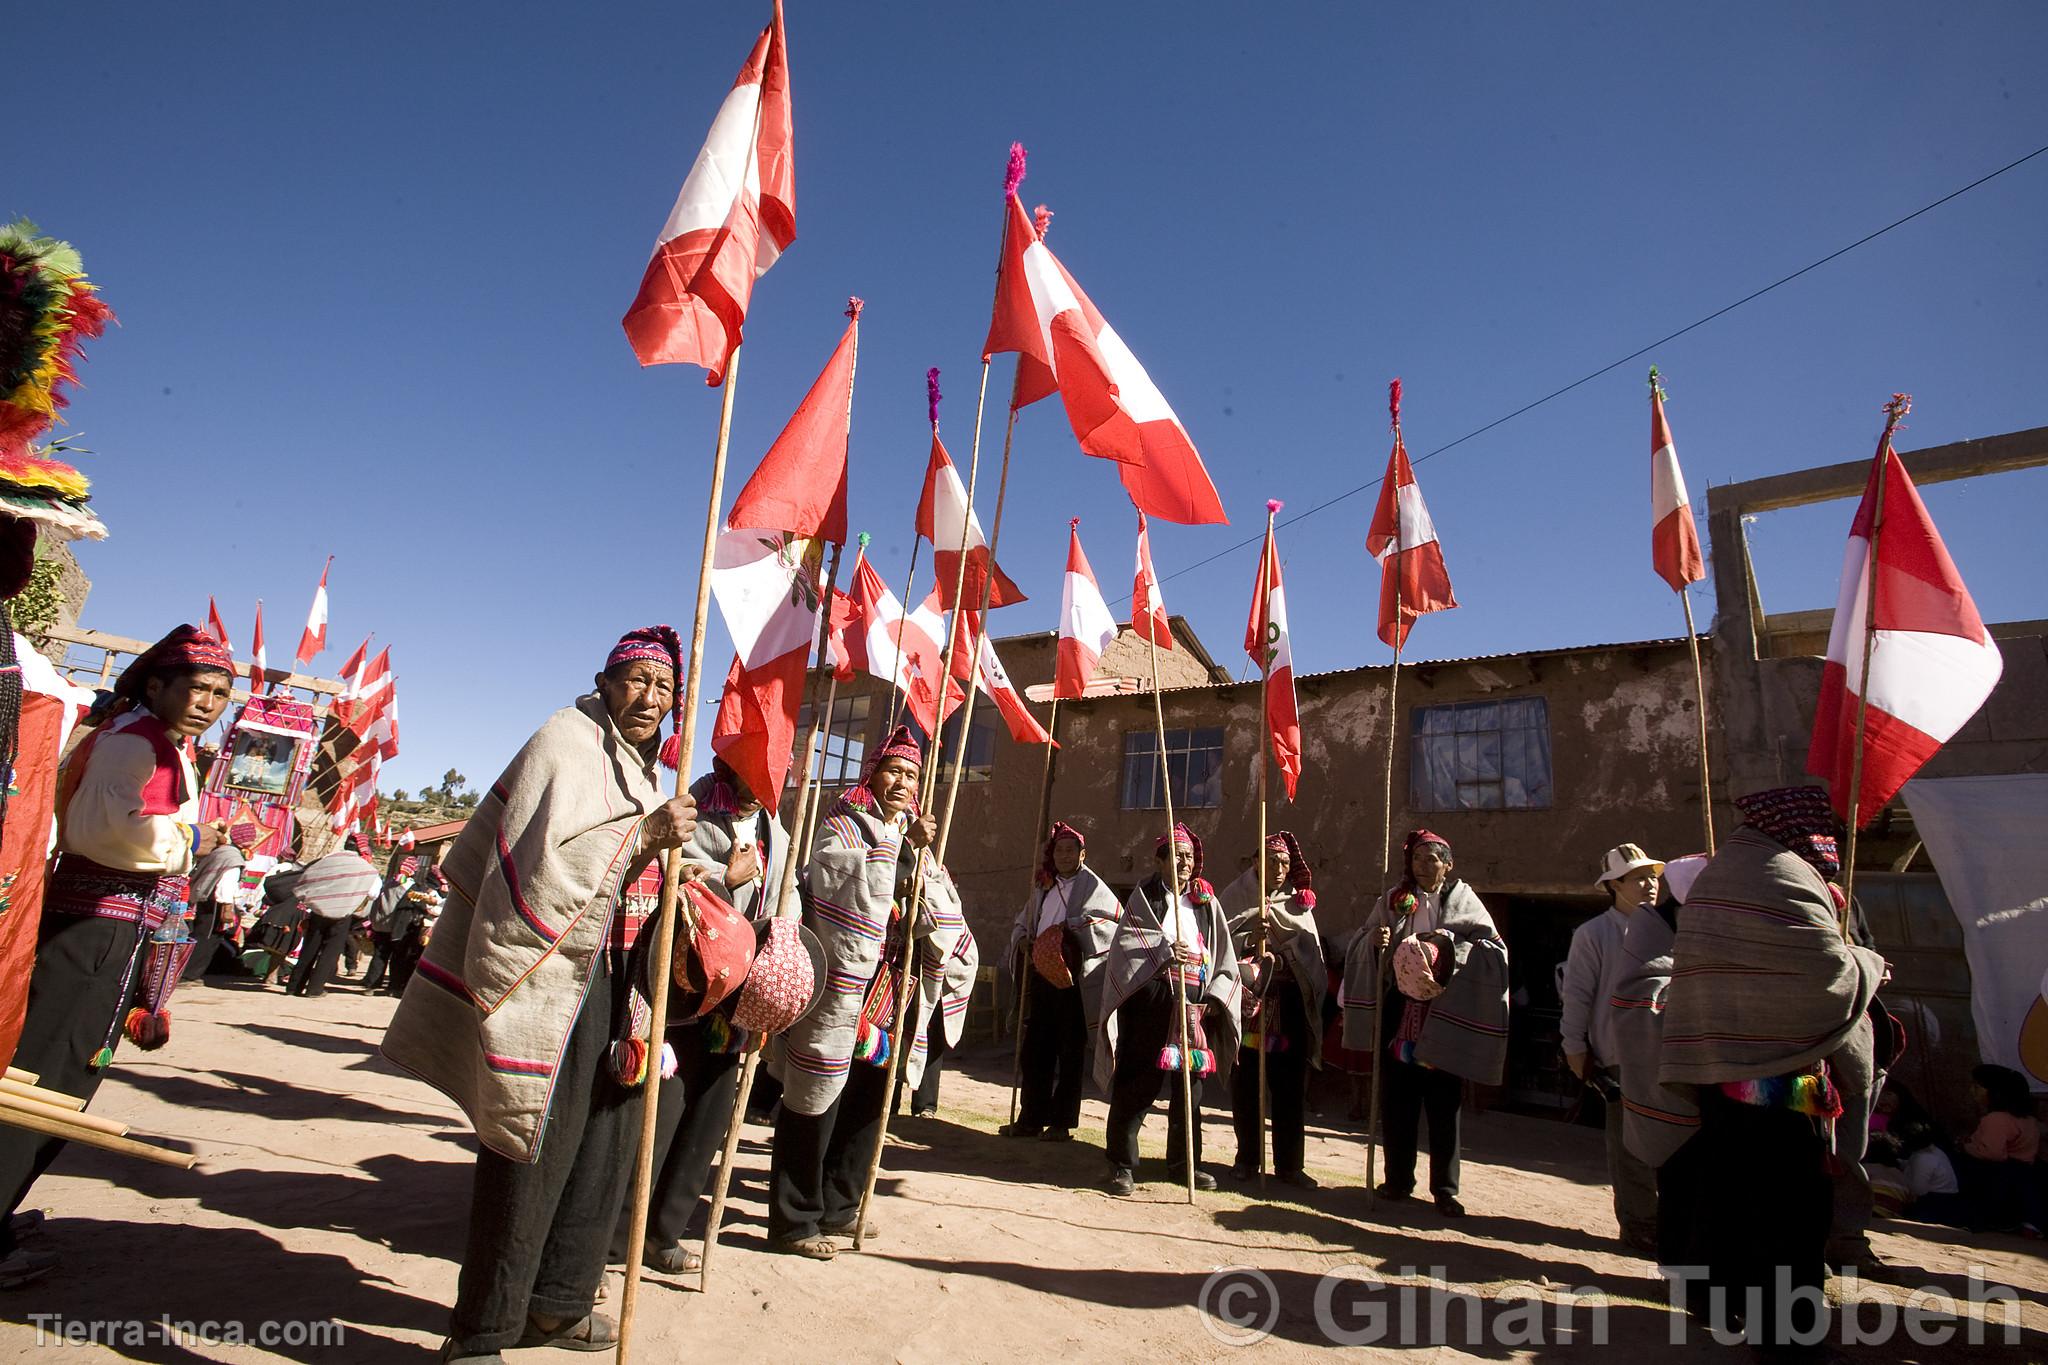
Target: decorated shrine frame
{"points": [[261, 770]]}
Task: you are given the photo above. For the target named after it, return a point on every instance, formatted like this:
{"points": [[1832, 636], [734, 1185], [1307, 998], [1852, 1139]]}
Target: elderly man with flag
{"points": [[526, 1010], [873, 854], [1280, 952], [1166, 950], [1063, 935]]}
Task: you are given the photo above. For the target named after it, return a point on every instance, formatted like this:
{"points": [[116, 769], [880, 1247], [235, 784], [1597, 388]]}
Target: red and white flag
{"points": [[1932, 663], [259, 662], [736, 213], [352, 673], [406, 840], [1402, 538], [1148, 606], [994, 680], [1674, 539], [872, 634], [1086, 627], [314, 638], [1265, 640], [1064, 343], [943, 517], [368, 688], [216, 627]]}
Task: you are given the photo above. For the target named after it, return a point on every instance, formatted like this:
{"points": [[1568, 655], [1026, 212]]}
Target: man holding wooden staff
{"points": [[834, 1062], [1285, 980], [523, 1009], [1165, 952], [1062, 939]]}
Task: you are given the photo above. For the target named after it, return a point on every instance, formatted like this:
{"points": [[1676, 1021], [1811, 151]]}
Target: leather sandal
{"points": [[591, 1332]]}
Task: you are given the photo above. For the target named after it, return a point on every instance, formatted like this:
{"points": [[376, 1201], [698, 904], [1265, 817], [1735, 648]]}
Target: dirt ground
{"points": [[332, 1193]]}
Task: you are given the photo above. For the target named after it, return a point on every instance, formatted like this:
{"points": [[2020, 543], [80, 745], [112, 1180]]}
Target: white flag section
{"points": [[766, 583], [1984, 835], [995, 683]]}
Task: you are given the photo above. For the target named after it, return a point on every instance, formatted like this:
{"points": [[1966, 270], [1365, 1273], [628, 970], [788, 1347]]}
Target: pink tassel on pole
{"points": [[1041, 219], [1014, 176], [853, 306], [1394, 403], [1274, 504], [931, 395]]}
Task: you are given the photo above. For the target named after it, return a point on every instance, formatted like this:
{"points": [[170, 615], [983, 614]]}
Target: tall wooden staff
{"points": [[1031, 929], [809, 792], [806, 813], [1381, 958], [896, 694], [1265, 590], [1180, 998], [664, 925], [1692, 639], [1898, 407]]}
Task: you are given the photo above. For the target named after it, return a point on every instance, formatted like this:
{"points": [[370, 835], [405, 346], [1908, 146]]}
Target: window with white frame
{"points": [[1194, 769], [842, 744]]}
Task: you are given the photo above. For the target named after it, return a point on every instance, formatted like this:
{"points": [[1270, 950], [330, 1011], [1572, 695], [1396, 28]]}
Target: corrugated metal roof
{"points": [[1664, 642]]}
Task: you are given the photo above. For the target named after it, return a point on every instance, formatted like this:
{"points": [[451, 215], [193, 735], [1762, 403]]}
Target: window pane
{"points": [[1477, 716], [1433, 720], [1431, 785]]}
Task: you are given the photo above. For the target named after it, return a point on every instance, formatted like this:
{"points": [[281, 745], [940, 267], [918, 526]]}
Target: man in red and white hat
{"points": [[1280, 951], [834, 1062], [1060, 943]]}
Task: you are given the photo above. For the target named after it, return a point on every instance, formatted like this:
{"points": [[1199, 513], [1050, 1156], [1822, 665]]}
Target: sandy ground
{"points": [[332, 1194]]}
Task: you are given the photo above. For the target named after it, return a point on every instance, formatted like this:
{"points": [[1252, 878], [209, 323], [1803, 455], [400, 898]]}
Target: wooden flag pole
{"points": [[1380, 958], [930, 784], [1699, 683], [810, 793], [896, 697], [1180, 999], [665, 924], [1898, 407], [1259, 865], [1031, 927]]}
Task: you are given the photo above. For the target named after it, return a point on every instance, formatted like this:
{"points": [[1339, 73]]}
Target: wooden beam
{"points": [[1936, 464], [122, 644]]}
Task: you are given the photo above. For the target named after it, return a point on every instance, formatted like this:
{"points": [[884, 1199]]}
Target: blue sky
{"points": [[370, 262]]}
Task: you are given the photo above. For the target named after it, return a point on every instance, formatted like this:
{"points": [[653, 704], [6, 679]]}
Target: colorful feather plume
{"points": [[48, 311]]}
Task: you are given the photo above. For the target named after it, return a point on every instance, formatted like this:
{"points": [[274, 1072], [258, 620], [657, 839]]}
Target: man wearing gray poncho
{"points": [[1060, 942], [1280, 953]]}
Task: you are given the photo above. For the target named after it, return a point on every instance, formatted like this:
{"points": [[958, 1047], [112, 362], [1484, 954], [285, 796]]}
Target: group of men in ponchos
{"points": [[1750, 1048]]}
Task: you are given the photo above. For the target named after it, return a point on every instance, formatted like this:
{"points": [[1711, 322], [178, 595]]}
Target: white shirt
{"points": [[1929, 1171], [1183, 925], [1052, 906], [1427, 904]]}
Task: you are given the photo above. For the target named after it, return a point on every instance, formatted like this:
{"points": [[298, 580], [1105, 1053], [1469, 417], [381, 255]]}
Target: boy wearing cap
{"points": [[1591, 1045]]}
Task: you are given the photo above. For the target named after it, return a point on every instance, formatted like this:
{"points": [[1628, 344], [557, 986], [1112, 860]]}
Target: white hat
{"points": [[1623, 859]]}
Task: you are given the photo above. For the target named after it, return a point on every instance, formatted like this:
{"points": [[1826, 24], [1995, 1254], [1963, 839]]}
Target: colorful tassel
{"points": [[932, 395], [672, 751], [1394, 404], [1169, 1057], [146, 1030], [629, 1061], [669, 1063], [1274, 504], [101, 1059], [1013, 175], [1041, 219]]}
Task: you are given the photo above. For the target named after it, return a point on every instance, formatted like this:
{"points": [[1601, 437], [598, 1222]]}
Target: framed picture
{"points": [[261, 761]]}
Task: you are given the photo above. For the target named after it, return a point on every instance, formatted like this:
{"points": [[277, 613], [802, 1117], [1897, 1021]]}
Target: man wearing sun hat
{"points": [[1592, 1048]]}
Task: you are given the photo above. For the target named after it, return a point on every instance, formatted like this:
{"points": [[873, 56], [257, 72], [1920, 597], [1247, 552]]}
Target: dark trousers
{"points": [[935, 1049], [380, 961], [537, 1232], [1286, 1081], [317, 954], [1766, 1203], [1413, 1092], [75, 998], [1145, 1025], [1055, 1055], [820, 1162], [692, 1112], [205, 939], [405, 959]]}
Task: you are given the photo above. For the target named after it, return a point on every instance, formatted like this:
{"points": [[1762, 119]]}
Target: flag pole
{"points": [[930, 783], [895, 687], [1899, 406], [1259, 865], [812, 799], [1381, 958], [664, 922], [1699, 678], [810, 793], [1031, 931], [1180, 999]]}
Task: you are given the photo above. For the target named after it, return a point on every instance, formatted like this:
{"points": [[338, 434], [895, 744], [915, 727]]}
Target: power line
{"points": [[1637, 354]]}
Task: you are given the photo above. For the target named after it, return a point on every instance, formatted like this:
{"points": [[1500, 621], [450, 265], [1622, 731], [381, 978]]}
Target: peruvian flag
{"points": [[314, 638], [371, 687], [1148, 607], [872, 634], [1086, 627], [736, 213], [994, 680], [352, 672], [1932, 663], [1674, 540], [406, 840], [1265, 640], [259, 662], [944, 519], [765, 575], [216, 627], [1403, 539], [1063, 342]]}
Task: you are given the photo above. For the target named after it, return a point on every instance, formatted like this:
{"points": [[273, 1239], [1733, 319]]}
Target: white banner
{"points": [[1986, 837]]}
